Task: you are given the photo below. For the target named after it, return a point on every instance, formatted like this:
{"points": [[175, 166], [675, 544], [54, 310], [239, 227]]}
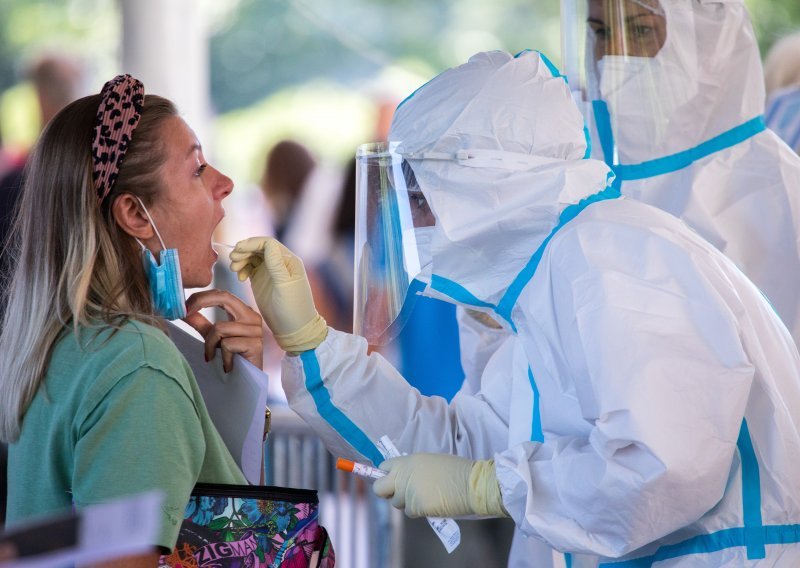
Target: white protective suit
{"points": [[641, 411], [713, 163]]}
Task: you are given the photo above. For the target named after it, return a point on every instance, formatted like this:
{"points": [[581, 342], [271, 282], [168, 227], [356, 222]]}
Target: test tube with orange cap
{"points": [[361, 469]]}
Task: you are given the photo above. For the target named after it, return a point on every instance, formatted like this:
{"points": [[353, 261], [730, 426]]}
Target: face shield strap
{"points": [[483, 158]]}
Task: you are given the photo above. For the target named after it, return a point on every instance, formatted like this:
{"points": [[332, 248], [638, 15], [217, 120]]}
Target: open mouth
{"points": [[218, 248]]}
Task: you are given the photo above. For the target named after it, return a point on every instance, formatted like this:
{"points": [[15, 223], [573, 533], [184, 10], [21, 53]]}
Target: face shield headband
{"points": [[121, 103]]}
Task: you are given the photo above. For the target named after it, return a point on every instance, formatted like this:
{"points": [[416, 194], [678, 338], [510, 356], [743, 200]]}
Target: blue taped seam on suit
{"points": [[680, 160], [557, 73], [714, 542], [602, 120], [345, 427], [751, 495], [409, 97], [673, 162], [553, 69], [457, 292], [506, 303], [754, 536], [460, 294], [588, 153], [536, 422]]}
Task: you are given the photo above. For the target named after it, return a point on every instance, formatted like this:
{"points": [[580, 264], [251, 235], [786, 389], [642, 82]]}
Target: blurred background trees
{"points": [[280, 65], [309, 69]]}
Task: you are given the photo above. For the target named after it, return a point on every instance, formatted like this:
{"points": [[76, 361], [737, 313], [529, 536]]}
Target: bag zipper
{"points": [[266, 492]]}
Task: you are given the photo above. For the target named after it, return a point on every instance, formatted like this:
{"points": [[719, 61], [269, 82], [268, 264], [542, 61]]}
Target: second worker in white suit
{"points": [[674, 91], [652, 423]]}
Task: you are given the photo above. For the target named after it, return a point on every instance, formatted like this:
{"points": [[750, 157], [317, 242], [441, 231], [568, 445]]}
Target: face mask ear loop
{"points": [[149, 218]]}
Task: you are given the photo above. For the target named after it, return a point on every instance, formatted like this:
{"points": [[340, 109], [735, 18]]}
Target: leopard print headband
{"points": [[121, 102]]}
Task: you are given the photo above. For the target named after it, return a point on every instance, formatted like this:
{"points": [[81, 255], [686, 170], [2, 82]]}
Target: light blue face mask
{"points": [[166, 285]]}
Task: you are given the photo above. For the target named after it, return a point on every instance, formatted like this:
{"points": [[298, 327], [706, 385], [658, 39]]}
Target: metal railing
{"points": [[366, 531]]}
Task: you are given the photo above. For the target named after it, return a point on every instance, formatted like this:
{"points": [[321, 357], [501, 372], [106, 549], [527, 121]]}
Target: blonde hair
{"points": [[782, 64], [72, 265]]}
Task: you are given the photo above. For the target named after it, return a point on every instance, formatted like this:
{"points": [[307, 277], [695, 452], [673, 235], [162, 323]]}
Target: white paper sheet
{"points": [[97, 533], [236, 401]]}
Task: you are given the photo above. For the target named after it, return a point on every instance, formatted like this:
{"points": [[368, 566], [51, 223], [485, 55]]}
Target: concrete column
{"points": [[165, 44]]}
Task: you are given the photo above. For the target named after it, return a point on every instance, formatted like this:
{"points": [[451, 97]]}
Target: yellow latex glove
{"points": [[484, 318], [439, 485], [282, 292]]}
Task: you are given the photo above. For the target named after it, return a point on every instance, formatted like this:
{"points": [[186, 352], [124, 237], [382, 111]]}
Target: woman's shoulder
{"points": [[112, 352], [132, 339]]}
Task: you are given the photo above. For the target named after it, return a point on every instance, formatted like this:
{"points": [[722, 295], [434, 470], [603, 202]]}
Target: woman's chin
{"points": [[197, 280]]}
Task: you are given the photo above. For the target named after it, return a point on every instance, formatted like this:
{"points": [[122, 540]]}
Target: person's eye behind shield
{"points": [[421, 213], [634, 28]]}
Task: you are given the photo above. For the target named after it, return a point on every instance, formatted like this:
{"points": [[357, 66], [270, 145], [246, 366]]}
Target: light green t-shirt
{"points": [[118, 414]]}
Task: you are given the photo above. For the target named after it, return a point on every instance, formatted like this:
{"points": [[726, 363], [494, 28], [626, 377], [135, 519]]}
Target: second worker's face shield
{"points": [[595, 30], [630, 55], [394, 226]]}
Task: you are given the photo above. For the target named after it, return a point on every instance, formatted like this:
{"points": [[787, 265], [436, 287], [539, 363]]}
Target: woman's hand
{"points": [[241, 334]]}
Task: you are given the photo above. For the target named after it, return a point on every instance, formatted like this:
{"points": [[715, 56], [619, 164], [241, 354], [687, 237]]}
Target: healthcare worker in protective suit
{"points": [[675, 94], [654, 421]]}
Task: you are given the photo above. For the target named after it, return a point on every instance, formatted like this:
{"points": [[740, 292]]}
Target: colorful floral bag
{"points": [[243, 526]]}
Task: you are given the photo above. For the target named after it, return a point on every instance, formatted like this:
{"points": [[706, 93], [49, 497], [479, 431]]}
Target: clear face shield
{"points": [[393, 230], [622, 53]]}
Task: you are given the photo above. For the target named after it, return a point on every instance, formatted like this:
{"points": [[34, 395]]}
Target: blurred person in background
{"points": [[10, 161], [335, 270], [11, 164], [782, 77], [287, 167], [116, 217], [303, 196], [58, 80]]}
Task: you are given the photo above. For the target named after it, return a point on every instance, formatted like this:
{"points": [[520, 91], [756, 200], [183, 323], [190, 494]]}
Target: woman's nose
{"points": [[223, 186]]}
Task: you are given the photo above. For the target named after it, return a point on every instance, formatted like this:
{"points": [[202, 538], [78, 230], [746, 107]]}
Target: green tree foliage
{"points": [[773, 19], [270, 44], [88, 29], [267, 45]]}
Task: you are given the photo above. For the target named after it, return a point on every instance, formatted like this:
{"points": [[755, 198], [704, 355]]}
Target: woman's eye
{"points": [[641, 31], [201, 169], [600, 32]]}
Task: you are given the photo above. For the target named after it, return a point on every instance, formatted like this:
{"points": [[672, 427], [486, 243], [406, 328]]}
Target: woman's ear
{"points": [[131, 218]]}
